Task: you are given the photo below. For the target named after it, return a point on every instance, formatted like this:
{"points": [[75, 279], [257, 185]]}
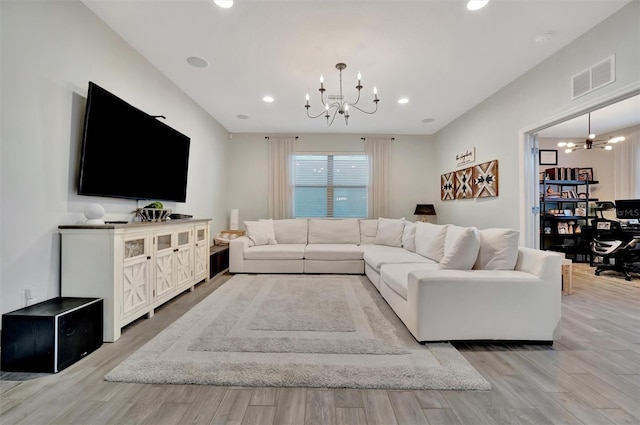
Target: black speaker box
{"points": [[51, 335]]}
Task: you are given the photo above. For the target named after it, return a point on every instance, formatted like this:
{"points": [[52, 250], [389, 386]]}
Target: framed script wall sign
{"points": [[466, 156]]}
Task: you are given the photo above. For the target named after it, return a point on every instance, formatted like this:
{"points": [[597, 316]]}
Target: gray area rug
{"points": [[296, 331]]}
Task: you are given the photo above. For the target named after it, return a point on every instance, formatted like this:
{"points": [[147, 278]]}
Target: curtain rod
{"points": [[267, 137], [364, 138]]}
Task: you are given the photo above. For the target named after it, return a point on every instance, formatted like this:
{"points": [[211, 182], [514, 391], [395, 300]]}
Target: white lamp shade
{"points": [[233, 220]]}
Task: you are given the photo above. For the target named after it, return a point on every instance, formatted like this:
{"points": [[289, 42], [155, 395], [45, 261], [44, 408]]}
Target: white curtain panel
{"points": [[627, 166], [379, 153], [281, 152]]}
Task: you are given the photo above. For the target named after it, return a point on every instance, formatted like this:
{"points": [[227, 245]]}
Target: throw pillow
{"points": [[390, 232], [430, 240], [261, 232], [329, 230], [368, 230], [461, 247], [409, 236], [498, 249], [291, 230]]}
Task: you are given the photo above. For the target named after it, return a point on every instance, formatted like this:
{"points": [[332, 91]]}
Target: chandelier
{"points": [[591, 142], [336, 103]]}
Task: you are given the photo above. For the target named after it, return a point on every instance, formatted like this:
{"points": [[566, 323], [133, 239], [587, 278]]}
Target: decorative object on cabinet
{"points": [[485, 179], [152, 214], [548, 156], [464, 183], [447, 186], [94, 214]]}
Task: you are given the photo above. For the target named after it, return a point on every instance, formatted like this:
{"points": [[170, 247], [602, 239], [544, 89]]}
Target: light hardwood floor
{"points": [[591, 375]]}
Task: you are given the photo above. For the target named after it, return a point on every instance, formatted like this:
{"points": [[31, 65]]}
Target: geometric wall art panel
{"points": [[447, 186], [464, 183], [485, 179]]}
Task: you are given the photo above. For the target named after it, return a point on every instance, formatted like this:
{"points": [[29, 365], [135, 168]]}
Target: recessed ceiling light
{"points": [[242, 117], [268, 99], [428, 120], [403, 100], [225, 4], [197, 61], [476, 4]]}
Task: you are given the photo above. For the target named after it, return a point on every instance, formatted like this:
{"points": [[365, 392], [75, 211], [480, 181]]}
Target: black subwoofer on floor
{"points": [[51, 335]]}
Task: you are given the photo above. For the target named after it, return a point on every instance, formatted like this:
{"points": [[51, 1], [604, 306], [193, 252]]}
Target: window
{"points": [[331, 185]]}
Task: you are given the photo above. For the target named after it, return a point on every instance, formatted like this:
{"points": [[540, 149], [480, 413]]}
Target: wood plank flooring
{"points": [[591, 375]]}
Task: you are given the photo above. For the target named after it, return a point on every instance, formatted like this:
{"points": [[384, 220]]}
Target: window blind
{"points": [[331, 185]]}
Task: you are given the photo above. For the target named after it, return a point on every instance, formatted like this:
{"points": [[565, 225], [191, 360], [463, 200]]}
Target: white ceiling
{"points": [[623, 114], [444, 58]]}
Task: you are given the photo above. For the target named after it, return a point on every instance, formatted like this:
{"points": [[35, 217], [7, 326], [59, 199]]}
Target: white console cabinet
{"points": [[134, 267]]}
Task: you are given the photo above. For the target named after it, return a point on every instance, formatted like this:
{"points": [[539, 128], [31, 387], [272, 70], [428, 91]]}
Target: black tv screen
{"points": [[627, 209], [127, 153]]}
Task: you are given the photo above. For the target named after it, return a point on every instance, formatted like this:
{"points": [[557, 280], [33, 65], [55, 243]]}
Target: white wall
{"points": [[493, 126], [50, 50], [412, 165]]}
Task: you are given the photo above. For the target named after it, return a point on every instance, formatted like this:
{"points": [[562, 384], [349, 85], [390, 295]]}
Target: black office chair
{"points": [[615, 249]]}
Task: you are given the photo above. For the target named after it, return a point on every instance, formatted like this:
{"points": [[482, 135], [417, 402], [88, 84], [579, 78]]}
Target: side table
{"points": [[218, 259]]}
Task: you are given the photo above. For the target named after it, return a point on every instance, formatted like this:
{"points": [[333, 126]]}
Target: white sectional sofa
{"points": [[445, 282]]}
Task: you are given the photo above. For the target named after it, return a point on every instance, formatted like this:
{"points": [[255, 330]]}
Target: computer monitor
{"points": [[628, 209]]}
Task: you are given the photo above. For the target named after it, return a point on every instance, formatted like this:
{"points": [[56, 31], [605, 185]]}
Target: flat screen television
{"points": [[127, 153]]}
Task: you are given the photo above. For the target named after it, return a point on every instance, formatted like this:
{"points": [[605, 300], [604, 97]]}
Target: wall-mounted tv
{"points": [[127, 153]]}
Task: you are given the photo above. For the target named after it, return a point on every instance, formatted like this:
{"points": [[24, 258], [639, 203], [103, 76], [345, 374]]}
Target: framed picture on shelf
{"points": [[580, 212], [585, 174], [548, 156], [565, 194]]}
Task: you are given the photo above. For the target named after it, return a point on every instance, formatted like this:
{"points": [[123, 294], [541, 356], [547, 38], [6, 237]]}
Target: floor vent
{"points": [[594, 77]]}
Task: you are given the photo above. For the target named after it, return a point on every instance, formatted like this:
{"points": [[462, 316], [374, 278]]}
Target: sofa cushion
{"points": [[261, 232], [389, 232], [498, 249], [409, 236], [293, 230], [334, 231], [280, 251], [396, 276], [376, 258], [328, 251], [368, 230], [461, 247], [430, 240]]}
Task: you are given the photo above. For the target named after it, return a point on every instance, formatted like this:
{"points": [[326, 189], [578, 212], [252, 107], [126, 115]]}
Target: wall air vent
{"points": [[594, 77]]}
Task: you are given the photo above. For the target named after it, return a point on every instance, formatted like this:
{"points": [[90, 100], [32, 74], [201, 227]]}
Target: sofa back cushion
{"points": [[430, 240], [498, 249], [461, 247], [368, 230], [334, 231], [293, 230], [409, 236], [261, 232], [390, 232]]}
